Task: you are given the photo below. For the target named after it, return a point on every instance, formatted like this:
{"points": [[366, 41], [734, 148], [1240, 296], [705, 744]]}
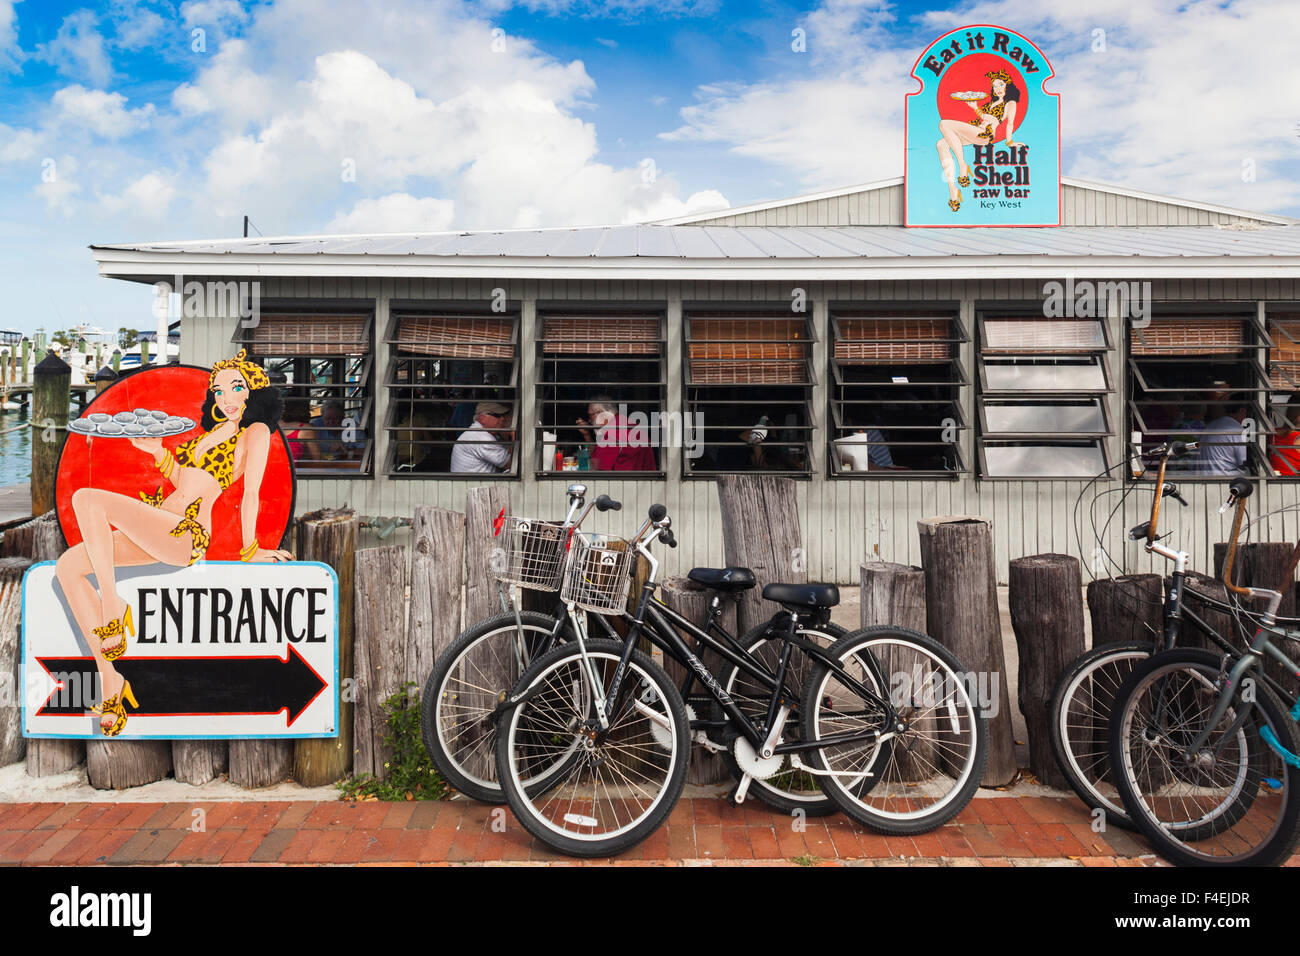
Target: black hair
{"points": [[297, 410], [1011, 94], [264, 405]]}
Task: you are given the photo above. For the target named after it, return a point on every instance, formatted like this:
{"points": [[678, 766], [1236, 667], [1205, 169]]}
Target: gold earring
{"points": [[215, 409]]}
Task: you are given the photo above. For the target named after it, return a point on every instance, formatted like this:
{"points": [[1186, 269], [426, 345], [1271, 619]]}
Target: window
{"points": [[895, 380], [1043, 387], [614, 360], [1284, 377], [1200, 378], [321, 359], [452, 374], [748, 385]]}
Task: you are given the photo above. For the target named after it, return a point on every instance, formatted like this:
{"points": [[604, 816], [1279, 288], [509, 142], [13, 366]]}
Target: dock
{"points": [[15, 504]]}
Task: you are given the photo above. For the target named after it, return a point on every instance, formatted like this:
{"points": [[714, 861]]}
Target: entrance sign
{"points": [[982, 134], [214, 654], [175, 613]]}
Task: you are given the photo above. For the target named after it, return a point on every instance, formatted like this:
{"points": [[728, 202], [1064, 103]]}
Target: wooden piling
{"points": [[760, 531], [51, 395], [379, 652], [12, 745]]}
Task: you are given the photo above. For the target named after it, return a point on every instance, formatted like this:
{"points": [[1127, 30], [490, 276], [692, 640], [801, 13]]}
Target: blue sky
{"points": [[151, 119]]}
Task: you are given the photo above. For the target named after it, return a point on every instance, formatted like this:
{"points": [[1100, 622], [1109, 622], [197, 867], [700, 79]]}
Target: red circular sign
{"points": [[967, 74], [114, 464]]}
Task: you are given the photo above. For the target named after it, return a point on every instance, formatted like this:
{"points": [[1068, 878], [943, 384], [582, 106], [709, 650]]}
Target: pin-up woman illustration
{"points": [[240, 414], [1001, 108]]}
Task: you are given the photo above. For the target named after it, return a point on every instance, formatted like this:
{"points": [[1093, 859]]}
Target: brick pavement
{"points": [[991, 831]]}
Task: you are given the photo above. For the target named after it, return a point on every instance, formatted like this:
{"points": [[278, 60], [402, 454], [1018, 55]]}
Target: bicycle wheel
{"points": [[616, 786], [1081, 709], [1236, 803], [788, 790], [925, 773], [457, 712]]}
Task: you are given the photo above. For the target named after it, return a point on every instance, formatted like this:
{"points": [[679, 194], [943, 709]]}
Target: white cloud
{"points": [[148, 197], [396, 212], [1182, 95], [10, 54], [18, 144], [77, 50], [58, 185], [136, 25], [104, 113], [224, 15]]}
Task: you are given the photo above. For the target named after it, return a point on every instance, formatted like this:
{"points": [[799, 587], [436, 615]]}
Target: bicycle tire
{"points": [[469, 764], [1243, 821], [890, 805], [784, 799], [567, 813], [1081, 705]]}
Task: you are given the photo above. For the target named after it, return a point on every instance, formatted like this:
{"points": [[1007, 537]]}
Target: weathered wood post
{"points": [[483, 556], [962, 614], [116, 361], [437, 576], [1045, 594], [330, 537], [27, 354], [379, 651], [691, 601], [1126, 608], [118, 764], [144, 353], [760, 531], [12, 745], [44, 542], [895, 594], [51, 394]]}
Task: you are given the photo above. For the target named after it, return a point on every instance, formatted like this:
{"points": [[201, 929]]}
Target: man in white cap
{"points": [[484, 447]]}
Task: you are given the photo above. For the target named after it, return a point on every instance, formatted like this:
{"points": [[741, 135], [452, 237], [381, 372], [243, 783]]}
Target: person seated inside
{"points": [[295, 423], [1222, 449], [865, 449], [1284, 449], [617, 447], [487, 446], [337, 435]]}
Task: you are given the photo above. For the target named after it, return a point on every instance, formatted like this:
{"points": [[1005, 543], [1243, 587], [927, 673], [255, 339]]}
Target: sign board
{"points": [[982, 133], [214, 654], [175, 613]]}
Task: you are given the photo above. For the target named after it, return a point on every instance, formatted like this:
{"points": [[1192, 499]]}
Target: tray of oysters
{"points": [[139, 423]]}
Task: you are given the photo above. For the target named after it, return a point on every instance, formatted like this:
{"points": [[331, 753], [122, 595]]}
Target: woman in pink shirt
{"points": [[618, 447]]}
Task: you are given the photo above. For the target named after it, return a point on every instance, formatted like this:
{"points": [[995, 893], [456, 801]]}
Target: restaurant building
{"points": [[997, 370]]}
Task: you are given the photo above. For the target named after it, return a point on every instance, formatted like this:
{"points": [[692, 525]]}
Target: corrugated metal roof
{"points": [[651, 241]]}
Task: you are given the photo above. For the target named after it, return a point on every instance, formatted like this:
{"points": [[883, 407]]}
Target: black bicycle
{"points": [[593, 742]]}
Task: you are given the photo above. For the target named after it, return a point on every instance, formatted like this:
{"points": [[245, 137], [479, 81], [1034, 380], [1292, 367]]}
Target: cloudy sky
{"points": [[146, 119]]}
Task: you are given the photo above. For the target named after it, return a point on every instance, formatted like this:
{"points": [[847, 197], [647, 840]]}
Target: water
{"points": [[15, 449]]}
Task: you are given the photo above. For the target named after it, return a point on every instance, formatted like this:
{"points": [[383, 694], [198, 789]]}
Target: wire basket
{"points": [[535, 552], [599, 576]]}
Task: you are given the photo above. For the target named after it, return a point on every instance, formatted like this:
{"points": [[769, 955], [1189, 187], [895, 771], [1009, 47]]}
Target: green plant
{"points": [[806, 860], [411, 774]]}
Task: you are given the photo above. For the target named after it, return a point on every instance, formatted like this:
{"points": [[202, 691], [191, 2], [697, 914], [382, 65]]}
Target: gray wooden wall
{"points": [[846, 520]]}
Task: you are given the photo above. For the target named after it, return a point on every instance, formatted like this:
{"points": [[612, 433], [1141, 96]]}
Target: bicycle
{"points": [[615, 724], [1084, 696], [471, 677], [1201, 747]]}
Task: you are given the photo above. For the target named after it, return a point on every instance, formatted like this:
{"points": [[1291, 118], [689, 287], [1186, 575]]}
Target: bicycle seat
{"points": [[723, 579], [802, 595]]}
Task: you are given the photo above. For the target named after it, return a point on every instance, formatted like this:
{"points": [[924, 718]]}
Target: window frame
{"points": [[244, 336], [395, 389], [1251, 359], [733, 312], [836, 382], [1096, 355], [552, 311]]}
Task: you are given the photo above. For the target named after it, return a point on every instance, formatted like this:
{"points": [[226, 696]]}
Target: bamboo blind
{"points": [[456, 336], [1189, 337], [885, 341], [748, 351], [1042, 335], [300, 334], [603, 335], [1284, 357]]}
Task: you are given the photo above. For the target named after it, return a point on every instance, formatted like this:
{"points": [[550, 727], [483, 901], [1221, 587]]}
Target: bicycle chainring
{"points": [[750, 762]]}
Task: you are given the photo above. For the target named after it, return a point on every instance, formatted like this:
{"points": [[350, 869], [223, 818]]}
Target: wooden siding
{"points": [[845, 521], [883, 206]]}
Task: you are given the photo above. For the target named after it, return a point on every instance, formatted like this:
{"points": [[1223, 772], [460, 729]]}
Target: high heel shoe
{"points": [[963, 181], [955, 204], [115, 628], [114, 706]]}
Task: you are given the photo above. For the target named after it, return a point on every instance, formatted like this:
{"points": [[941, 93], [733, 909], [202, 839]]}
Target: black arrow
{"points": [[176, 686]]}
